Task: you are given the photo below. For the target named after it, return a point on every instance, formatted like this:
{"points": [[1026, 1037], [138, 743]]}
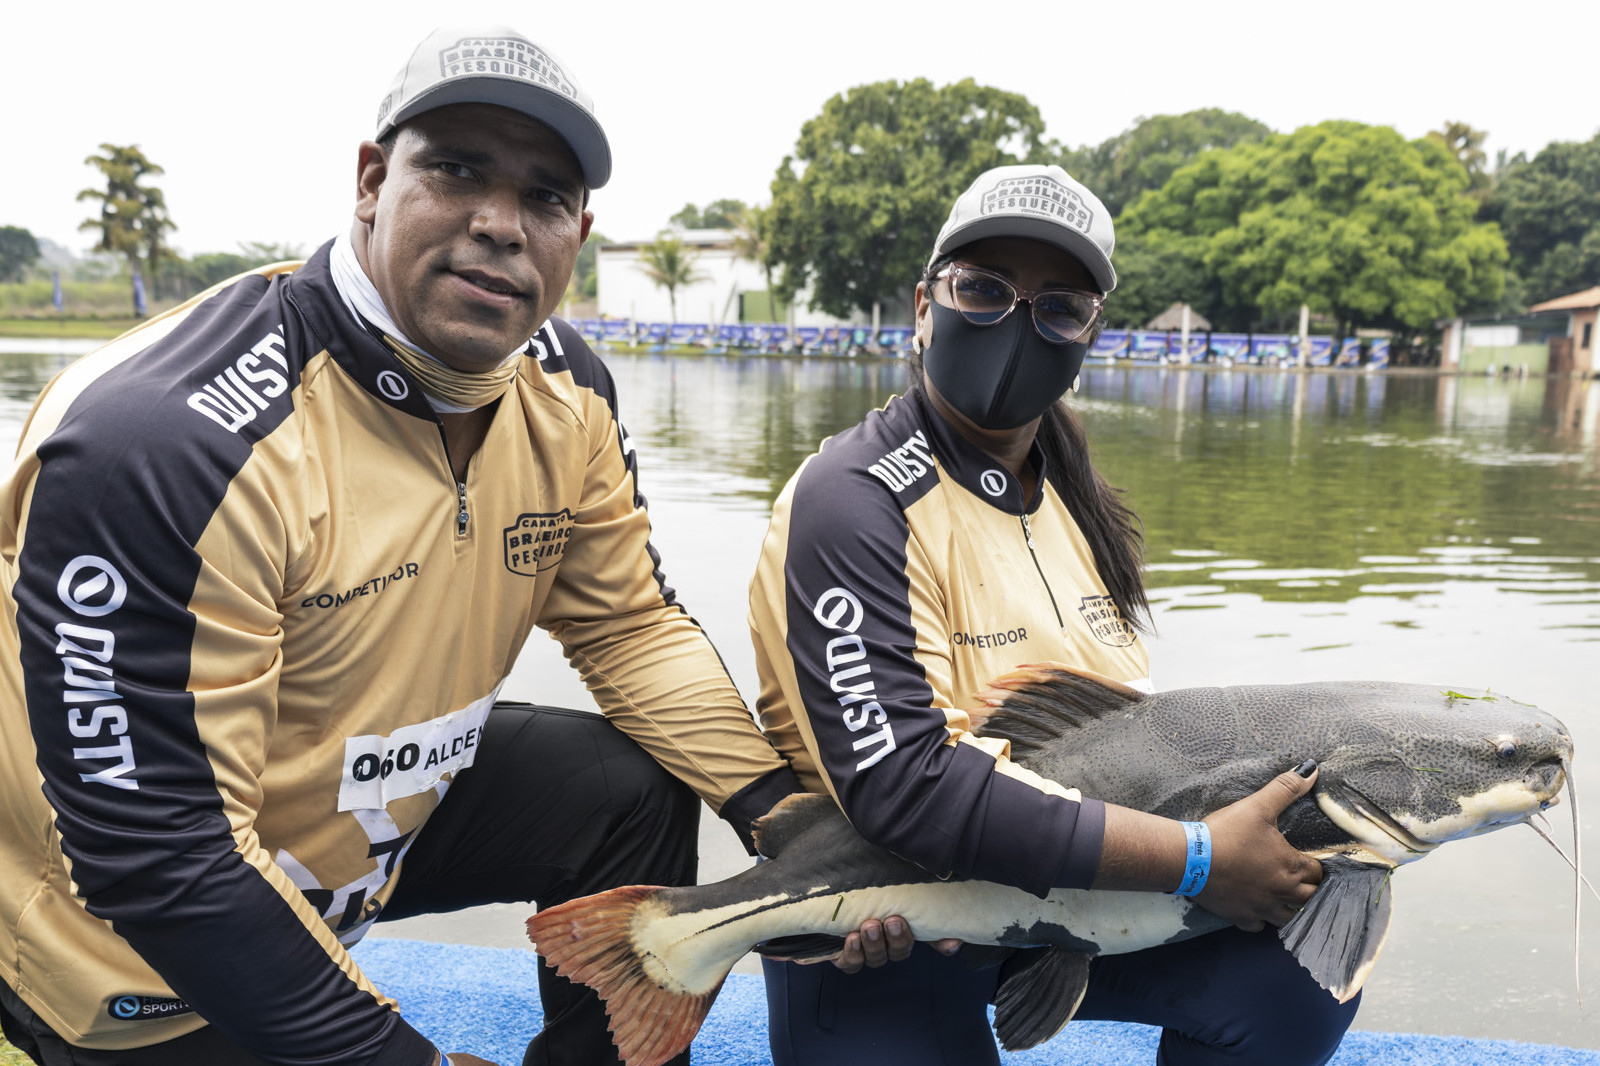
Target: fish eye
{"points": [[1505, 747]]}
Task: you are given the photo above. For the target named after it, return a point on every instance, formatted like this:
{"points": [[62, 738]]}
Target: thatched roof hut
{"points": [[1172, 318]]}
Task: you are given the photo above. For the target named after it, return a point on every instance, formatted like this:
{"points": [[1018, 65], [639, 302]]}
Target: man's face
{"points": [[470, 229]]}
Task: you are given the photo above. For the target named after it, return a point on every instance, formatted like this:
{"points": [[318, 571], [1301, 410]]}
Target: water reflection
{"points": [[1299, 526]]}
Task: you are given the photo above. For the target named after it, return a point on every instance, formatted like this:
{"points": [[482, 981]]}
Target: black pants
{"points": [[1228, 998], [559, 804]]}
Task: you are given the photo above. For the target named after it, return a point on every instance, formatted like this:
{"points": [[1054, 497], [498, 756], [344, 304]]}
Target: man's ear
{"points": [[588, 221], [372, 166]]}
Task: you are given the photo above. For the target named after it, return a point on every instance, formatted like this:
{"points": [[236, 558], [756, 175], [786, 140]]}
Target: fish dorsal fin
{"points": [[1039, 997], [1341, 929], [1035, 704], [789, 818]]}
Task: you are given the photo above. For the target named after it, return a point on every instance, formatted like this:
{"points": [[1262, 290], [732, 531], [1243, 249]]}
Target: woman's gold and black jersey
{"points": [[254, 629], [902, 571]]}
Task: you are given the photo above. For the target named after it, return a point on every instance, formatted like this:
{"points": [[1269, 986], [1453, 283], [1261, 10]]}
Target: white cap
{"points": [[497, 65], [1033, 200]]}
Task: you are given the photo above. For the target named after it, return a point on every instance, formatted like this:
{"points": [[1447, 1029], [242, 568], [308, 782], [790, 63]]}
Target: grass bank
{"points": [[91, 328], [10, 1056]]}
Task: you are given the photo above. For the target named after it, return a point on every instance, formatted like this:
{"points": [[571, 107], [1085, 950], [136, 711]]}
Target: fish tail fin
{"points": [[591, 941]]}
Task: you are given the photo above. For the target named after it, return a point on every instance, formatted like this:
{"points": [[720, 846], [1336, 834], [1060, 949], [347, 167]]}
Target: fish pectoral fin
{"points": [[802, 947], [1039, 993], [1339, 932]]}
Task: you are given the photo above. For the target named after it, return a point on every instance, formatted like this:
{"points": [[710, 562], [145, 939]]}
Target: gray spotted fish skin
{"points": [[1415, 751]]}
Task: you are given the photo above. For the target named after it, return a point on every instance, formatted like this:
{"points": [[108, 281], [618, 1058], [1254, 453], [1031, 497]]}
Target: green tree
{"points": [[719, 214], [1549, 209], [133, 219], [1152, 277], [1143, 156], [585, 281], [669, 263], [857, 206], [260, 253], [1362, 225], [1466, 145], [752, 242], [19, 250]]}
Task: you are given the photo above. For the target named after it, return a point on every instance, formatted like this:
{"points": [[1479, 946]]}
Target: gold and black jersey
{"points": [[902, 570], [255, 627]]}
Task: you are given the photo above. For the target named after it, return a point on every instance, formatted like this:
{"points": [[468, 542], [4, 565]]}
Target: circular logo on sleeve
{"points": [[90, 586]]}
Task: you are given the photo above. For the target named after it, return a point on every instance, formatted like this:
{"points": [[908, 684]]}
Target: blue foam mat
{"points": [[485, 1001]]}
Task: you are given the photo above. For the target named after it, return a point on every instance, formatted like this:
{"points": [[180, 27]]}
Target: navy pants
{"points": [[559, 804], [1229, 997]]}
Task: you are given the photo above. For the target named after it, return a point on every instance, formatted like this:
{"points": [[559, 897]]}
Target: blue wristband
{"points": [[1197, 866]]}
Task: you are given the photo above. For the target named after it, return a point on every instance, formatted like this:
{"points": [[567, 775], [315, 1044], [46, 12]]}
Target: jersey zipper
{"points": [[461, 486], [1027, 535]]}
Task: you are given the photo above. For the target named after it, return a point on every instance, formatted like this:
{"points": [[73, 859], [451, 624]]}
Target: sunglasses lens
{"points": [[1063, 316], [982, 299]]}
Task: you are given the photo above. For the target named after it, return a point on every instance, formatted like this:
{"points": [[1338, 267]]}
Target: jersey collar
{"points": [[355, 345], [973, 469]]}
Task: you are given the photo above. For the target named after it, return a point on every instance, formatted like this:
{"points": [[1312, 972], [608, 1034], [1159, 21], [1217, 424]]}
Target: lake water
{"points": [[1299, 526]]}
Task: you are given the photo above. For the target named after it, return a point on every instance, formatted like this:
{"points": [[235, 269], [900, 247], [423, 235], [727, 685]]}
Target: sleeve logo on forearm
{"points": [[1105, 621], [535, 542], [850, 676], [91, 587]]}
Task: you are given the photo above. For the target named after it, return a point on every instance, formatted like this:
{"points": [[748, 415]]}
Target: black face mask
{"points": [[1000, 376]]}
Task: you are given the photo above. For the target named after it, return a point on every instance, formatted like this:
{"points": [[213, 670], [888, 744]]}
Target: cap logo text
{"points": [[1039, 195], [510, 57]]}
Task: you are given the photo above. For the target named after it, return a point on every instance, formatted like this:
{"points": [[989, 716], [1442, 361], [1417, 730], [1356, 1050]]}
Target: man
{"points": [[269, 559]]}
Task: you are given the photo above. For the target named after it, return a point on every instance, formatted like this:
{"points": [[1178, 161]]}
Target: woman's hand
{"points": [[1256, 877]]}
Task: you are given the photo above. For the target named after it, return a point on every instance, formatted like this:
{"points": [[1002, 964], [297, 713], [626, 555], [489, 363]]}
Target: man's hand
{"points": [[890, 940], [1256, 877]]}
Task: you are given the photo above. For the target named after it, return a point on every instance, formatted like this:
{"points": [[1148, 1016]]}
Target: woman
{"points": [[954, 534]]}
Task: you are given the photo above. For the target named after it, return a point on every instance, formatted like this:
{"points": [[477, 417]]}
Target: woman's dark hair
{"points": [[1109, 525]]}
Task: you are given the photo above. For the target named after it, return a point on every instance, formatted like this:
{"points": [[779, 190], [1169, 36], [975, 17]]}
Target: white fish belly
{"points": [[693, 950]]}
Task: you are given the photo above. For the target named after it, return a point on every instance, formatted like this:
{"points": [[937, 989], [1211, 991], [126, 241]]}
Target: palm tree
{"points": [[669, 263], [133, 218]]}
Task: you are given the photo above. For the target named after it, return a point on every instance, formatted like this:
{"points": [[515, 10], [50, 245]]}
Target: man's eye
{"points": [[456, 170]]}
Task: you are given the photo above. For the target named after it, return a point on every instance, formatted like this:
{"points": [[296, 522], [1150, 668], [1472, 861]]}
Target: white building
{"points": [[733, 290]]}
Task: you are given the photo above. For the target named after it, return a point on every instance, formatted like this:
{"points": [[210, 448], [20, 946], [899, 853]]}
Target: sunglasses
{"points": [[1060, 316]]}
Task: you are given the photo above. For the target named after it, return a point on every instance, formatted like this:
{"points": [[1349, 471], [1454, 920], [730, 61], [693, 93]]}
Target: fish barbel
{"points": [[1403, 770]]}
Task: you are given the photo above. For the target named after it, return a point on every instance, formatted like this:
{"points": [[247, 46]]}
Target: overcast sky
{"points": [[255, 111]]}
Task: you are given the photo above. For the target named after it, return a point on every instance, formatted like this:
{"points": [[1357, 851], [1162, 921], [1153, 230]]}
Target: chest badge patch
{"points": [[535, 542], [1105, 621]]}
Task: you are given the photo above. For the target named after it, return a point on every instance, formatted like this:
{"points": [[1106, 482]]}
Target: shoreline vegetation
{"points": [[104, 329]]}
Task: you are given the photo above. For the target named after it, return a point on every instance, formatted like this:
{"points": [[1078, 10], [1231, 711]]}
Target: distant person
{"points": [[952, 535], [267, 563]]}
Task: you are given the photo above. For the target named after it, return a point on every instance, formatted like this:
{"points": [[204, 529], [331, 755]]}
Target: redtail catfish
{"points": [[1403, 769]]}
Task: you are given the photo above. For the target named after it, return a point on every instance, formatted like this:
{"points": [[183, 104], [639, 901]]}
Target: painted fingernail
{"points": [[1307, 768]]}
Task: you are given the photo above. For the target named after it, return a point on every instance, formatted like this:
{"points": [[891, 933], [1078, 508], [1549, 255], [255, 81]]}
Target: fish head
{"points": [[1457, 764]]}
